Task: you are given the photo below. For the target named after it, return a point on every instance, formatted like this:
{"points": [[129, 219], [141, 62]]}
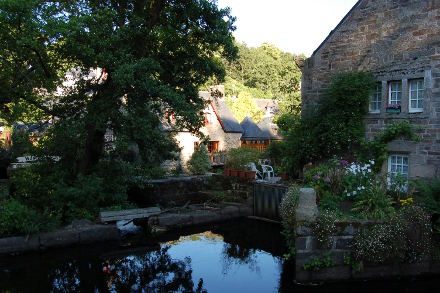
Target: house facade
{"points": [[221, 127], [399, 43]]}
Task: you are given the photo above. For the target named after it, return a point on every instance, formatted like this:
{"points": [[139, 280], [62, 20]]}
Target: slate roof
{"points": [[266, 125], [252, 131], [33, 128], [225, 116]]}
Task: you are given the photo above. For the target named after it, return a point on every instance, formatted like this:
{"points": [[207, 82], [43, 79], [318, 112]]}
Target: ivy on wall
{"points": [[377, 149]]}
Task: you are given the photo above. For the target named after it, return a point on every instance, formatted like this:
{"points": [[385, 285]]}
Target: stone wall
{"points": [[395, 40], [178, 191], [339, 249]]}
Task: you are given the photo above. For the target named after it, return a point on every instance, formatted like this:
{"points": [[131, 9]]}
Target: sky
{"points": [[295, 26]]}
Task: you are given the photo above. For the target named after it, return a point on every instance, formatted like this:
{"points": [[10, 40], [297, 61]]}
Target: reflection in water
{"points": [[238, 256], [234, 255], [152, 272], [199, 262]]}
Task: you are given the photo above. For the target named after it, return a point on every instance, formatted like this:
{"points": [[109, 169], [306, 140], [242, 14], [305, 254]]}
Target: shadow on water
{"points": [[236, 256]]}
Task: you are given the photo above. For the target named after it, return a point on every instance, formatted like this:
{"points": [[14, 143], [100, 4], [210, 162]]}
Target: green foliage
{"points": [[18, 219], [317, 263], [49, 189], [265, 72], [377, 150], [288, 216], [336, 127], [330, 201], [199, 163], [374, 203], [427, 194], [239, 158], [21, 145], [131, 66], [243, 106], [324, 227]]}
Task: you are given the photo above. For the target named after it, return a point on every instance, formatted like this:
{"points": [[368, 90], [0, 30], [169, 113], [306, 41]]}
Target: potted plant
{"points": [[238, 160], [393, 108]]}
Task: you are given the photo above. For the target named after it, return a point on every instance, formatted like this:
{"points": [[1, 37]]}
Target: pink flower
{"points": [[344, 162]]}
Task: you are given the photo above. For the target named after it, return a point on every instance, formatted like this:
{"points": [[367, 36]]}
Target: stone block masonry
{"points": [[395, 41], [339, 250]]}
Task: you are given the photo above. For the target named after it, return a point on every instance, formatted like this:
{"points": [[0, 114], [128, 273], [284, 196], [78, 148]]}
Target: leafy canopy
{"points": [[145, 57]]}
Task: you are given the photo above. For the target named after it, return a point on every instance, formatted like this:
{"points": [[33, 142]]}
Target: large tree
{"points": [[148, 57]]}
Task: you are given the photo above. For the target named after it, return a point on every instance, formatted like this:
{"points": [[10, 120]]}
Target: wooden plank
{"points": [[128, 214]]}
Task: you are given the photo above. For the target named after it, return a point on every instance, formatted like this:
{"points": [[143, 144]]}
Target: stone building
{"points": [[398, 41], [221, 127]]}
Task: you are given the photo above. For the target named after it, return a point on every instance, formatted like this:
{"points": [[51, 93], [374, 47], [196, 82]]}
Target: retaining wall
{"points": [[307, 246]]}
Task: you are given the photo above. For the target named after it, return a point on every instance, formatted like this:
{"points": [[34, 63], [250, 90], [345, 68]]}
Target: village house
{"points": [[399, 43], [221, 128]]}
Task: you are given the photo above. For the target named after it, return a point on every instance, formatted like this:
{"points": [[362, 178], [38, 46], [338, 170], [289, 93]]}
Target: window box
{"points": [[394, 108]]}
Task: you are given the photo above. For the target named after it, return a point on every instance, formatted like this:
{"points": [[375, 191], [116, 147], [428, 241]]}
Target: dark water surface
{"points": [[236, 256]]}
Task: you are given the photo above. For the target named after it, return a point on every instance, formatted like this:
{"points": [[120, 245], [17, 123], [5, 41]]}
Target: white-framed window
{"points": [[398, 165], [395, 92], [376, 98], [416, 94]]}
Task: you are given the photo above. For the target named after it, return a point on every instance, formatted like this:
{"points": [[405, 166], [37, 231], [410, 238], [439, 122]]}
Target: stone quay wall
{"points": [[339, 250]]}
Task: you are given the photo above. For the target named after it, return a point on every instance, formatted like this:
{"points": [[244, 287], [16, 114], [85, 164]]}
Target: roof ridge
{"points": [[337, 26]]}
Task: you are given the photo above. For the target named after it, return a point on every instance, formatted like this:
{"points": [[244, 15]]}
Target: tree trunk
{"points": [[93, 149]]}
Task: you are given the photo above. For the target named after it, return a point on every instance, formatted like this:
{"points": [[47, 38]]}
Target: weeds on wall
{"points": [[406, 238], [288, 216]]}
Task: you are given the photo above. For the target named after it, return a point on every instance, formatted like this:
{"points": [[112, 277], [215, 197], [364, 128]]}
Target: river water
{"points": [[236, 256]]}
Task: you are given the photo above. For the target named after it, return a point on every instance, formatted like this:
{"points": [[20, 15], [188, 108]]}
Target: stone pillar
{"points": [[307, 210]]}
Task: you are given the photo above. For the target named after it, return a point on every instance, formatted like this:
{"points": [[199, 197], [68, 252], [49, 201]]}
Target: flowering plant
{"points": [[358, 177], [393, 106]]}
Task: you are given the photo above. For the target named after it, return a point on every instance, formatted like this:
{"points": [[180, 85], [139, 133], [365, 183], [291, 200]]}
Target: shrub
{"points": [[239, 158], [200, 162], [330, 201], [21, 144], [18, 219], [374, 203], [427, 193]]}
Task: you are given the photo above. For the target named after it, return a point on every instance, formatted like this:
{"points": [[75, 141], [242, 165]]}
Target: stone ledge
{"points": [[68, 236], [344, 272]]}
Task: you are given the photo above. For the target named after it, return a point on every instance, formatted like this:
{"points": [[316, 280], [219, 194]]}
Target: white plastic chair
{"points": [[267, 171], [258, 174]]}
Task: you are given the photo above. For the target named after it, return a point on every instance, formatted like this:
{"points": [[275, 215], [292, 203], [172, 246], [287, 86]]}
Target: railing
{"points": [[217, 158]]}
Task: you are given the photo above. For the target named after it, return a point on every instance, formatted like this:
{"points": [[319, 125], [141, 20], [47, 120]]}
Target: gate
{"points": [[267, 200]]}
